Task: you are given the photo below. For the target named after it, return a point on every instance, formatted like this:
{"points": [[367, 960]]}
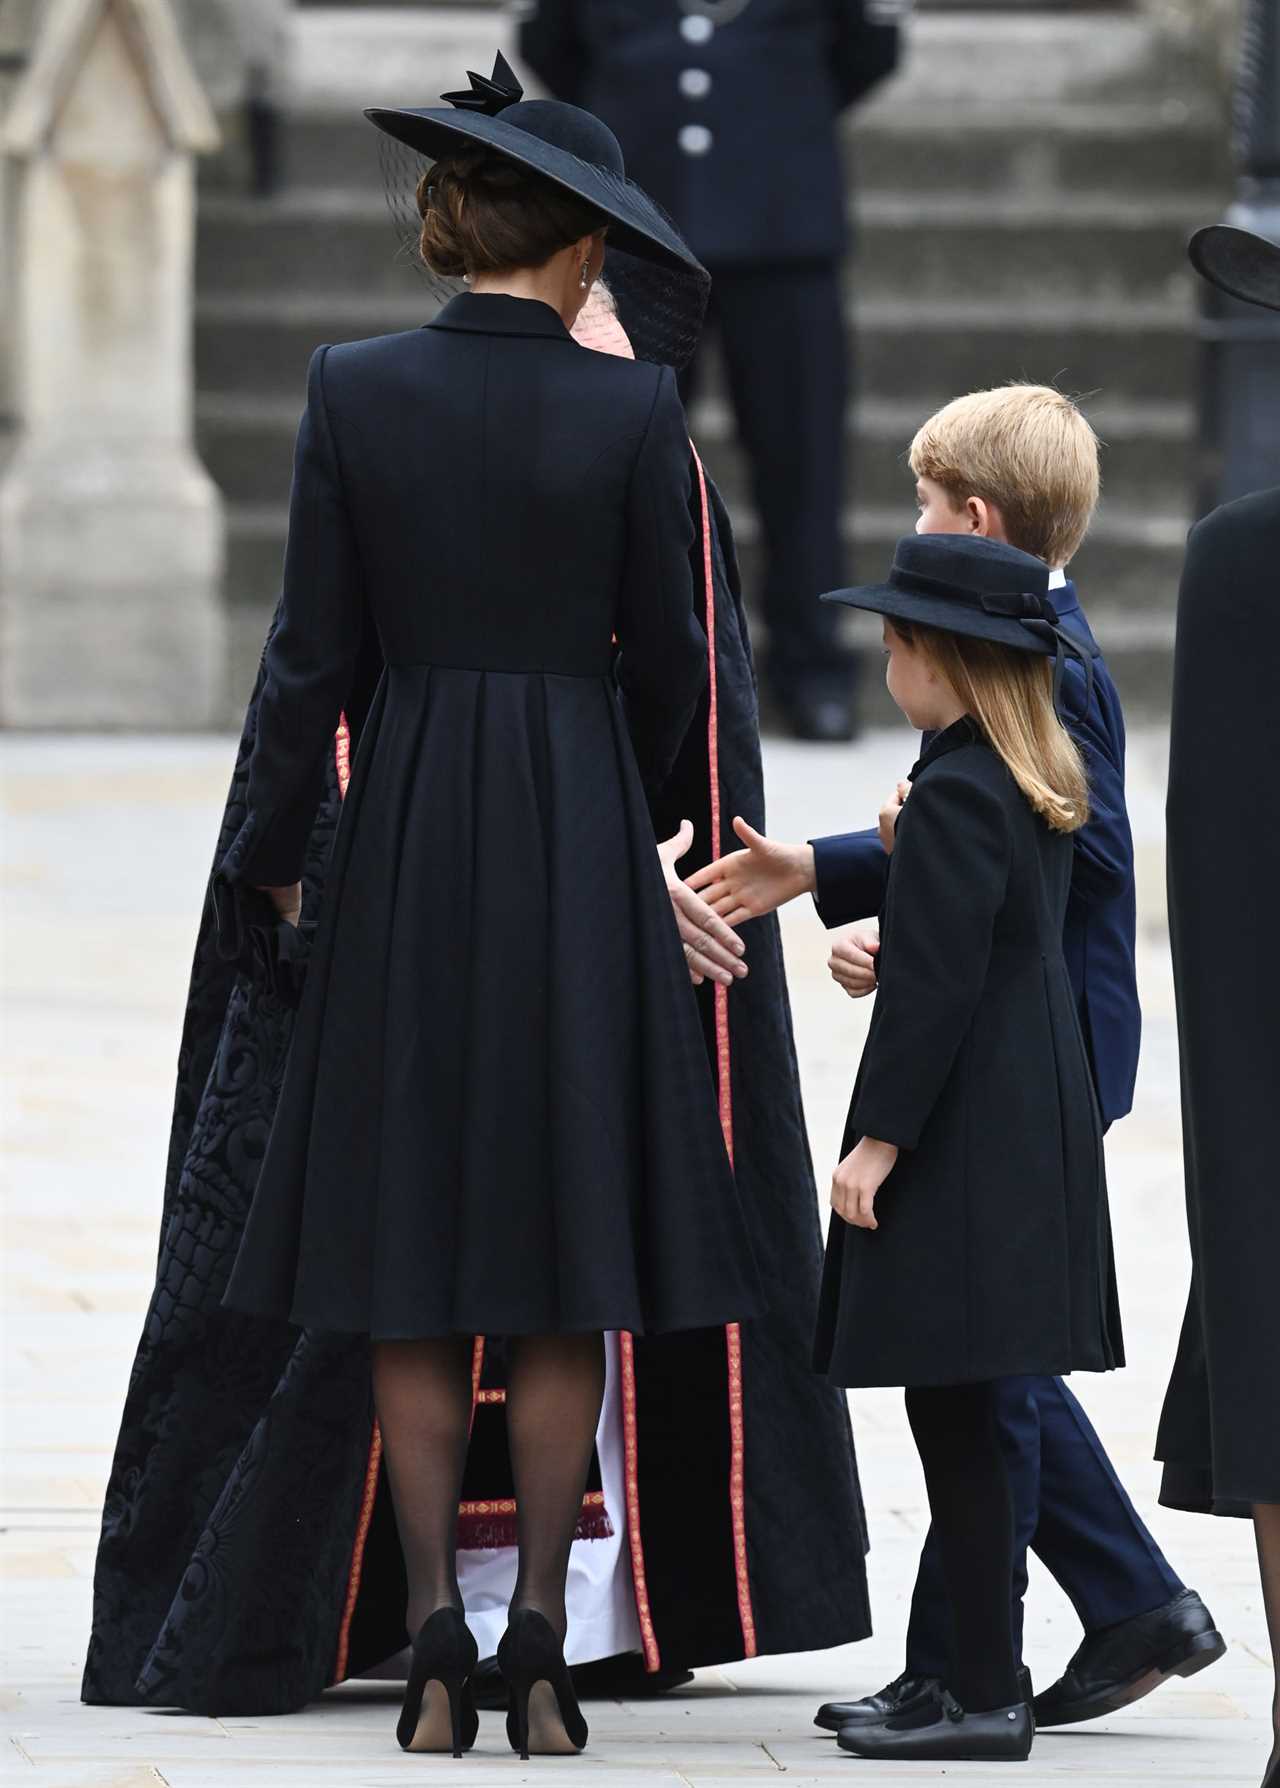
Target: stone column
{"points": [[111, 532]]}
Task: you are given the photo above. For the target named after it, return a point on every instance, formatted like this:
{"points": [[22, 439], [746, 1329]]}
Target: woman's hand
{"points": [[857, 1180], [287, 901], [853, 961], [749, 883], [889, 816], [712, 951]]}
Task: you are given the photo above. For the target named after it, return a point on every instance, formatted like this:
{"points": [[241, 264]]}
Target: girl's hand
{"points": [[857, 1180], [711, 949], [286, 901], [749, 883], [889, 816]]}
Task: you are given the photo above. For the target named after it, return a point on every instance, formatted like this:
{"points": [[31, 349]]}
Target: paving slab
{"points": [[106, 846]]}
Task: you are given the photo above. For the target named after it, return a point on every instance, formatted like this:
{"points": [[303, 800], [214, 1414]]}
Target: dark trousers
{"points": [[786, 355], [1070, 1508]]}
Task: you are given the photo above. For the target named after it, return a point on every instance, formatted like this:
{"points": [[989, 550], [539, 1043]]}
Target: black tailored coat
{"points": [[1220, 1429], [734, 131], [497, 1116], [993, 1253], [231, 1577]]}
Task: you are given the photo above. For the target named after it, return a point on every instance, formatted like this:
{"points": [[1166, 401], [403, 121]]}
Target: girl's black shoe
{"points": [[439, 1712], [543, 1717], [946, 1734]]}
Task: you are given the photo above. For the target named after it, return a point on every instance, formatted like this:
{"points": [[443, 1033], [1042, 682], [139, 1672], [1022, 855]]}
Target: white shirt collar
{"points": [[1057, 579]]}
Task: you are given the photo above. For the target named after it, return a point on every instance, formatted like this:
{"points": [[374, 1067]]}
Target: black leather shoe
{"points": [[905, 1694], [953, 1736], [1123, 1663], [819, 716]]}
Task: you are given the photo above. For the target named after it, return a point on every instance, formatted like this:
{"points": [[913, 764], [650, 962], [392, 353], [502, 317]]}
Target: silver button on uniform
{"points": [[695, 139], [695, 83], [696, 29]]}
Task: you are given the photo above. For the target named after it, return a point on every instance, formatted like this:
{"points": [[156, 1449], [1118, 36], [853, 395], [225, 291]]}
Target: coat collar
{"points": [[1072, 616], [953, 738], [496, 313]]}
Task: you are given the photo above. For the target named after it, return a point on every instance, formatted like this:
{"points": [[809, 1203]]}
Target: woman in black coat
{"points": [[1220, 1429], [474, 1138], [971, 1239]]}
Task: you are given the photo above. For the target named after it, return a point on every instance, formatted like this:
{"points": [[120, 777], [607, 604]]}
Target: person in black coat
{"points": [[459, 1150], [971, 1238], [729, 114], [249, 1557], [1219, 1433]]}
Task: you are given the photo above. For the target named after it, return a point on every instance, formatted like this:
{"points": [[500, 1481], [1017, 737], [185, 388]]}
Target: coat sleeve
{"points": [[850, 871], [552, 43], [950, 872], [662, 664], [1102, 866], [865, 44], [310, 663]]}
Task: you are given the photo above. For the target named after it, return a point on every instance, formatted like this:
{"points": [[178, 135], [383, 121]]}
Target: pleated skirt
{"points": [[498, 1113]]}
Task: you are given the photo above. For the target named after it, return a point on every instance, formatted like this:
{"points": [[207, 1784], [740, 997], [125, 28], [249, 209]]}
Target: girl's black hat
{"points": [[1238, 262], [965, 583], [563, 143]]}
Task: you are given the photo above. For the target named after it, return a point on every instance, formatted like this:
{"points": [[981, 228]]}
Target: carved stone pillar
{"points": [[111, 532]]}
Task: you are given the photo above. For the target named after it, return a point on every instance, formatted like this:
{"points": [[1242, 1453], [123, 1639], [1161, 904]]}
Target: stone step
{"points": [[1088, 246], [1129, 589], [968, 64], [1137, 149], [247, 445], [915, 352], [1130, 562]]}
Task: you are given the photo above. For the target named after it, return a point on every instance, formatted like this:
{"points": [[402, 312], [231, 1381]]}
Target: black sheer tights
{"points": [[422, 1392], [959, 1445], [1266, 1528]]}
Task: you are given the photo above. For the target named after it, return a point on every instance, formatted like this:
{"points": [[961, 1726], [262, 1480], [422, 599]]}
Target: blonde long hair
{"points": [[1010, 695]]}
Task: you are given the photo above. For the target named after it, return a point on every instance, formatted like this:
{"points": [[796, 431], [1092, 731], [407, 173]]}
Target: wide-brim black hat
{"points": [[965, 583], [1238, 262], [564, 144]]}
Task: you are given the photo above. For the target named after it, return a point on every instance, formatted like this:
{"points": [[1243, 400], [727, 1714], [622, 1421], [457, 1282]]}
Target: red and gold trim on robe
{"points": [[493, 1517]]}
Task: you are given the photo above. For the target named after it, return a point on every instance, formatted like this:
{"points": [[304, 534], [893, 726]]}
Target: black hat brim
{"points": [[1238, 262], [946, 615], [635, 224]]}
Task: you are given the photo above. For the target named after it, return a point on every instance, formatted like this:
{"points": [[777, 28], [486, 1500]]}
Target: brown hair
{"points": [[483, 214], [1010, 694], [1025, 448]]}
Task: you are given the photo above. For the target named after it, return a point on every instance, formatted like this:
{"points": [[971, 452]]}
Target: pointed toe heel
{"points": [[544, 1719], [439, 1712]]}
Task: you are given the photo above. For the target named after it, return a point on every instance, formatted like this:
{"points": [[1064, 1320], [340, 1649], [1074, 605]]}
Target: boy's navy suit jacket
{"points": [[1099, 936]]}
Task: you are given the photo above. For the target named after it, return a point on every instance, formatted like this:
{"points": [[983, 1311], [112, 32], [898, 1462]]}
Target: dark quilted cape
{"points": [[236, 1489]]}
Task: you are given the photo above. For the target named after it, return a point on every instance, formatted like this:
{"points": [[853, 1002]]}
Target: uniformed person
{"points": [[727, 111]]}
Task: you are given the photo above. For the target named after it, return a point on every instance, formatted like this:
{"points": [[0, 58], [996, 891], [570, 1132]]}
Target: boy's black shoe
{"points": [[1123, 1663], [905, 1694], [945, 1733]]}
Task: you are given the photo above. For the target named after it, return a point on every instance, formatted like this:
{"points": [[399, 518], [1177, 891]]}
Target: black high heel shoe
{"points": [[544, 1716], [439, 1712]]}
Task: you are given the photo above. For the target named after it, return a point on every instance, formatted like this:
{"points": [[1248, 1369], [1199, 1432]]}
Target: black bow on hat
{"points": [[489, 94]]}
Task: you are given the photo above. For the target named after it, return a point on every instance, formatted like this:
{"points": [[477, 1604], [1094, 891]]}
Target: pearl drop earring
{"points": [[586, 266]]}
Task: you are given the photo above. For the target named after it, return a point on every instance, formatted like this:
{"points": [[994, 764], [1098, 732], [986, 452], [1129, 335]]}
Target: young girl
{"points": [[971, 1238]]}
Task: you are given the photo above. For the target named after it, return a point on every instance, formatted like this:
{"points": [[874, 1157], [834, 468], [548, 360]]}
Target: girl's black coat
{"points": [[993, 1252], [236, 1490]]}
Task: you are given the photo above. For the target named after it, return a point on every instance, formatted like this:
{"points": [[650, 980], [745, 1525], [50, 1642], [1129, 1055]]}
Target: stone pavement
{"points": [[106, 844]]}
